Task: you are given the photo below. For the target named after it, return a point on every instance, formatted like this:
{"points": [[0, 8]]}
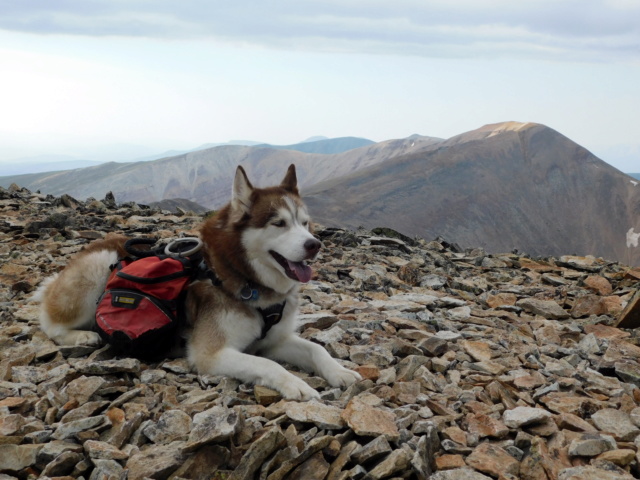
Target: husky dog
{"points": [[257, 250]]}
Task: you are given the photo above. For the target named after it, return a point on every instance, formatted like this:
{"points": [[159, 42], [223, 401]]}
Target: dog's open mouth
{"points": [[299, 271]]}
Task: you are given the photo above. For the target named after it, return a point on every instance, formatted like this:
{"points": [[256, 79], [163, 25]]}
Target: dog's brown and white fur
{"points": [[261, 240]]}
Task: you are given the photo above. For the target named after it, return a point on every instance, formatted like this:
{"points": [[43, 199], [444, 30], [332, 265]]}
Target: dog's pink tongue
{"points": [[301, 271]]}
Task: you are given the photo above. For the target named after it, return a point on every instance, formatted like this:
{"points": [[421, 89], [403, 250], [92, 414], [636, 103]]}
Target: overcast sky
{"points": [[83, 77]]}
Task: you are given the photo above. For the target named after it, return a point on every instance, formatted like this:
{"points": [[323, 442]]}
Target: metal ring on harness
{"points": [[186, 253]]}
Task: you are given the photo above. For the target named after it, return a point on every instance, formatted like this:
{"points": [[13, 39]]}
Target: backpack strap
{"points": [[205, 273], [130, 244]]}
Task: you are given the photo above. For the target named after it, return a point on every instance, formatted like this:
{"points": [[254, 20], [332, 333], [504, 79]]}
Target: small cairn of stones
{"points": [[475, 366]]}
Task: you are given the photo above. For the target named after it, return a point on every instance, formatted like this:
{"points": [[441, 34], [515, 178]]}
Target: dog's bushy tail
{"points": [[38, 295]]}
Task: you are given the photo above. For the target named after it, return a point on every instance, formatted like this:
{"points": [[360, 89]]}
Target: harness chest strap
{"points": [[271, 316]]}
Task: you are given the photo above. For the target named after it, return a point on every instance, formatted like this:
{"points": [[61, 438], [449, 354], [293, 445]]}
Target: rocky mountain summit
{"points": [[503, 186], [475, 367]]}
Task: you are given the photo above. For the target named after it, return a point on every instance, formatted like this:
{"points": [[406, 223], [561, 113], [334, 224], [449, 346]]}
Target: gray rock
{"points": [[561, 368], [434, 282], [448, 335], [178, 365], [628, 371], [172, 425], [67, 430], [423, 460], [62, 465], [587, 264], [367, 420], [53, 449], [356, 473], [372, 450], [83, 388], [103, 451], [125, 397], [589, 345], [121, 432], [324, 416], [591, 445], [434, 346], [593, 473], [108, 470], [396, 461], [214, 425], [459, 313], [257, 453], [332, 335], [157, 461], [378, 355], [310, 449], [88, 409], [464, 473], [106, 367], [314, 468], [154, 375], [522, 416], [450, 302], [17, 457], [546, 308], [616, 423]]}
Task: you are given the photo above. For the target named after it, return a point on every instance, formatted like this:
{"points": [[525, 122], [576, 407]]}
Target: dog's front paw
{"points": [[82, 337], [341, 377], [296, 389]]}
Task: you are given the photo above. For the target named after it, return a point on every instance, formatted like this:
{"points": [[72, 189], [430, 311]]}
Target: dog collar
{"points": [[249, 293]]}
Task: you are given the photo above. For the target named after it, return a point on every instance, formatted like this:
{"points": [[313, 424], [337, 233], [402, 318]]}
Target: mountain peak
{"points": [[511, 126]]}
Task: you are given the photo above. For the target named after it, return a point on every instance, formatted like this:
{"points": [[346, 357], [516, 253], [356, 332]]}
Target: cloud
{"points": [[583, 30]]}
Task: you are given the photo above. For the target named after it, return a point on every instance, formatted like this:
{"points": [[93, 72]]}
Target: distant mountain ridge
{"points": [[325, 146], [503, 187], [45, 163], [56, 163], [205, 176]]}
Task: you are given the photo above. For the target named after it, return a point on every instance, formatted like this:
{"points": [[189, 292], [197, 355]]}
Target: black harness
{"points": [[271, 315]]}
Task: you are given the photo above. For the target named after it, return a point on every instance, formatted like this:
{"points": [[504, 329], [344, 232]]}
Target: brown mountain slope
{"points": [[205, 176], [505, 186]]}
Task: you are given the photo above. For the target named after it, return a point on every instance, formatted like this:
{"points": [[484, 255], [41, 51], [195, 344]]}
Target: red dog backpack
{"points": [[143, 302]]}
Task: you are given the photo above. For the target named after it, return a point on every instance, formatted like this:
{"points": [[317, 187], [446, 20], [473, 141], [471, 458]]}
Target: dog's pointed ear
{"points": [[241, 194], [290, 181]]}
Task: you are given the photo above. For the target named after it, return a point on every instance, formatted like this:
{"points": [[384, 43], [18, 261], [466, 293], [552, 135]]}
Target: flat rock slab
{"points": [[366, 420], [463, 473], [521, 416], [593, 473], [324, 416], [617, 423], [591, 445], [545, 308], [214, 425], [18, 457], [494, 460], [156, 461]]}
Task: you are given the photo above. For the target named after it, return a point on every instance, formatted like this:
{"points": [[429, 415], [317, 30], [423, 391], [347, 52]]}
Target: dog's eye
{"points": [[279, 223], [305, 223]]}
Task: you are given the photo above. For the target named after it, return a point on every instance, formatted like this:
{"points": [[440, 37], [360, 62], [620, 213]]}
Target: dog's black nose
{"points": [[312, 246]]}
